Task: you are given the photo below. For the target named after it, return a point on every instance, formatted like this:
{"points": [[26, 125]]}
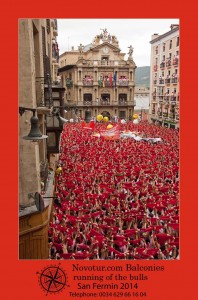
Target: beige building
{"points": [[98, 80], [38, 64], [164, 91]]}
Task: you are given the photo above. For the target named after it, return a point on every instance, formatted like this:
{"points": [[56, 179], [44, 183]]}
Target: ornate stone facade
{"points": [[98, 80]]}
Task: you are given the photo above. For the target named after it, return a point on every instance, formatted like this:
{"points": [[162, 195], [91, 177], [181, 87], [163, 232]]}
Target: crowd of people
{"points": [[116, 199]]}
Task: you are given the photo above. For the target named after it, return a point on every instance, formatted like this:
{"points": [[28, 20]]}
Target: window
{"points": [[87, 99], [163, 58], [177, 42], [164, 47], [170, 44], [156, 50], [51, 141], [122, 114]]}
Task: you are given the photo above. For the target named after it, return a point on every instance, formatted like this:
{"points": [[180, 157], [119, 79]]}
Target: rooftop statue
{"points": [[130, 52]]}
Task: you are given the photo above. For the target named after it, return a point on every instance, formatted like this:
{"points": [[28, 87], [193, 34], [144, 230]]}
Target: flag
{"points": [[110, 79], [89, 126], [111, 134], [115, 78]]}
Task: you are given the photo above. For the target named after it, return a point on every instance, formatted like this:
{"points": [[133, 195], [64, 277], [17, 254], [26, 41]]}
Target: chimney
{"points": [[154, 36], [173, 26]]}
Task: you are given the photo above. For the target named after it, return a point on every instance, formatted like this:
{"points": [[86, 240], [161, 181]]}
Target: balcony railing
{"points": [[88, 82], [161, 81], [165, 114], [155, 68], [162, 65], [123, 82], [174, 80], [122, 102], [87, 102], [106, 83], [166, 98], [175, 61], [168, 63], [167, 80], [173, 98], [171, 116]]}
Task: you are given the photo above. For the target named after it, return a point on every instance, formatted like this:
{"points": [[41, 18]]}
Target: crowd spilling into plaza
{"points": [[116, 198]]}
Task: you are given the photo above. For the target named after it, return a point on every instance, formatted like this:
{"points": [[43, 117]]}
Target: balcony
{"points": [[167, 80], [161, 81], [105, 83], [173, 98], [166, 98], [168, 63], [175, 61], [88, 103], [162, 65], [88, 82], [155, 68], [171, 116], [165, 114], [174, 80], [123, 82], [122, 102]]}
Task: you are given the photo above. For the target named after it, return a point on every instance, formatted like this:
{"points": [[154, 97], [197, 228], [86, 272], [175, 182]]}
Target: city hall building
{"points": [[98, 80]]}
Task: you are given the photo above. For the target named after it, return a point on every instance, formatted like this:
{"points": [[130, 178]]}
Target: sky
{"points": [[135, 32]]}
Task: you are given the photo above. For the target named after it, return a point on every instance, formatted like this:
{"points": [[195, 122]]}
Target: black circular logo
{"points": [[52, 279]]}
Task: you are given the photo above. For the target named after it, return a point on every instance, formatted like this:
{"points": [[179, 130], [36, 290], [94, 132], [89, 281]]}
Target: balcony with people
{"points": [[174, 78], [167, 79], [106, 81], [122, 99], [87, 99], [154, 96], [173, 98], [166, 97], [175, 60], [88, 80], [161, 80], [162, 65], [123, 81], [159, 112], [168, 63], [155, 81], [155, 68]]}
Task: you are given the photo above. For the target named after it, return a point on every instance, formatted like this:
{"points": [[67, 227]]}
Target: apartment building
{"points": [[98, 80], [165, 78], [38, 89]]}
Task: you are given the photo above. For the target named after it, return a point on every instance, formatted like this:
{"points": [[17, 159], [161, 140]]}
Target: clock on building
{"points": [[105, 50]]}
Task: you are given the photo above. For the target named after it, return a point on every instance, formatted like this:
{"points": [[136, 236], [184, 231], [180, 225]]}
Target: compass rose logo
{"points": [[52, 279]]}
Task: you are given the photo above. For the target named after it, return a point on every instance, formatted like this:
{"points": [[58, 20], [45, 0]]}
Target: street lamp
{"points": [[34, 135]]}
